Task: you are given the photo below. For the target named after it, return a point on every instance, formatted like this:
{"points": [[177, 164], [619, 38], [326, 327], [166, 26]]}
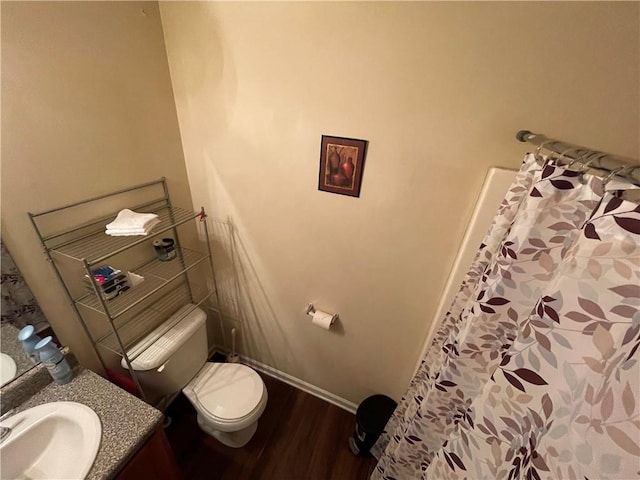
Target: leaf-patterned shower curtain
{"points": [[534, 372]]}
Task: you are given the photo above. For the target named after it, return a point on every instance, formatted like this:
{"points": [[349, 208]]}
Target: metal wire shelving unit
{"points": [[69, 239]]}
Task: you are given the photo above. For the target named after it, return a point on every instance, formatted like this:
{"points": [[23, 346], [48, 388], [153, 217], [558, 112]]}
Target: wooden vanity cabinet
{"points": [[155, 459]]}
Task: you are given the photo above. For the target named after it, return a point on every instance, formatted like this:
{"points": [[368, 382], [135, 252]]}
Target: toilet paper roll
{"points": [[323, 319]]}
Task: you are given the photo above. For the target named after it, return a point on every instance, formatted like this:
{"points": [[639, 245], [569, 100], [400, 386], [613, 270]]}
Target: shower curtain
{"points": [[533, 373]]}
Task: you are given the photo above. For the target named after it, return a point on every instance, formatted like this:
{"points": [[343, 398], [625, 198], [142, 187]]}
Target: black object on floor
{"points": [[371, 417]]}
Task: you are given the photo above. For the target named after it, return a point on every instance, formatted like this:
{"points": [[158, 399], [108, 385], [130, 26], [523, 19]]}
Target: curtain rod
{"points": [[622, 167]]}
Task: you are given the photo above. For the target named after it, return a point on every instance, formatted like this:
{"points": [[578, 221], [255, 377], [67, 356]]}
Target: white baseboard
{"points": [[296, 382]]}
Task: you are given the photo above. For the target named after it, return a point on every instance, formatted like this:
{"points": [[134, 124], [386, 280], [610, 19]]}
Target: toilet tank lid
{"points": [[158, 346]]}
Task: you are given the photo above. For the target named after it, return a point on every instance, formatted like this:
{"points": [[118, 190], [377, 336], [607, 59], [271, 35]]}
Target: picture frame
{"points": [[341, 165]]}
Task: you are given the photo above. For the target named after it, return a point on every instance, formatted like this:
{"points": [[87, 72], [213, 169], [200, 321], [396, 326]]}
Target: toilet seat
{"points": [[227, 394]]}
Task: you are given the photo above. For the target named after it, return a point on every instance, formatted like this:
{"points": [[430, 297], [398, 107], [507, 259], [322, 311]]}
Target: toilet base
{"points": [[235, 439]]}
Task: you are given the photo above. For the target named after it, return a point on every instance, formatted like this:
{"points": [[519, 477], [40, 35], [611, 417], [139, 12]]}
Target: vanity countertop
{"points": [[127, 421]]}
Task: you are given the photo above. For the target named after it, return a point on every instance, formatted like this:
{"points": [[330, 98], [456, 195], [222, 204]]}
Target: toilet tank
{"points": [[168, 358]]}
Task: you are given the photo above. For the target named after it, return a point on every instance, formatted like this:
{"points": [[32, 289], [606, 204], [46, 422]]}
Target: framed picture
{"points": [[341, 163]]}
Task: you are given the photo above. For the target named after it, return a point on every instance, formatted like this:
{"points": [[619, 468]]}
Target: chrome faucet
{"points": [[5, 431]]}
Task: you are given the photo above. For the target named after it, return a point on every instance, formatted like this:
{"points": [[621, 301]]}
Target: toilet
{"points": [[229, 398]]}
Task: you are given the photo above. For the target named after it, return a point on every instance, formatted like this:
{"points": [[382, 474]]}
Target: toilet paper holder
{"points": [[310, 309], [329, 318]]}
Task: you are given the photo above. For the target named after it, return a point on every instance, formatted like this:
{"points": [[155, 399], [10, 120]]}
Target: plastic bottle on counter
{"points": [[52, 358], [29, 339]]}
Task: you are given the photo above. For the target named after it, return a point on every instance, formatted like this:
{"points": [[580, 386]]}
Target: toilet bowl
{"points": [[229, 398]]}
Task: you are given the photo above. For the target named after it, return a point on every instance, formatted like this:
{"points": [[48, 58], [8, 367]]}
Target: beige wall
{"points": [[87, 108], [438, 89]]}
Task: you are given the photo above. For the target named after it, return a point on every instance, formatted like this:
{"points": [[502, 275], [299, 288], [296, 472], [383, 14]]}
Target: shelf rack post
{"points": [[96, 289], [177, 238], [66, 290]]}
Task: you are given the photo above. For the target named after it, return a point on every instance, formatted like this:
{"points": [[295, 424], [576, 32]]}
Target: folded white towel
{"points": [[131, 231], [130, 220], [126, 233], [134, 230]]}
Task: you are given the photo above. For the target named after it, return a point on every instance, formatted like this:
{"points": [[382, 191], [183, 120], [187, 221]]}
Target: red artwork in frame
{"points": [[341, 163]]}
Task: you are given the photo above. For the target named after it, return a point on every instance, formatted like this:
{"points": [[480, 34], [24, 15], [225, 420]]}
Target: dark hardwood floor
{"points": [[299, 437]]}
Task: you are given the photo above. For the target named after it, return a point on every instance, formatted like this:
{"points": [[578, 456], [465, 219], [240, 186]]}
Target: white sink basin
{"points": [[7, 368], [57, 440]]}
